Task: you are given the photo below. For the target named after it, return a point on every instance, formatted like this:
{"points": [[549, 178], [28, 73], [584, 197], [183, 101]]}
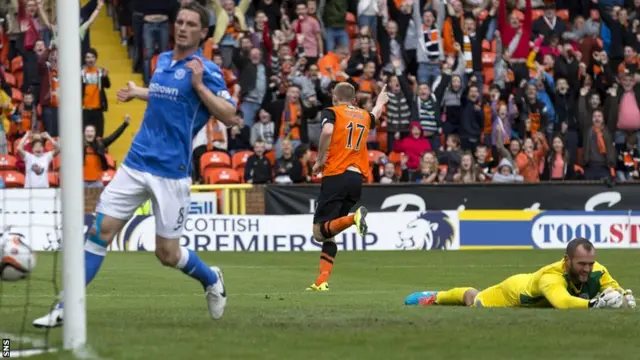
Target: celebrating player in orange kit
{"points": [[343, 160]]}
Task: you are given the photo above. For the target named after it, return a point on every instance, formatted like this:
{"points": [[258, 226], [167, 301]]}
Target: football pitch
{"points": [[140, 310]]}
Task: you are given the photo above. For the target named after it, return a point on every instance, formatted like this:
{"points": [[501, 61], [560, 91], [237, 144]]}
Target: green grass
{"points": [[139, 310]]}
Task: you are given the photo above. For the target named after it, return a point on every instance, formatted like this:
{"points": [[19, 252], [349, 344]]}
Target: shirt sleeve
{"points": [[554, 289], [328, 116], [373, 121], [214, 81]]}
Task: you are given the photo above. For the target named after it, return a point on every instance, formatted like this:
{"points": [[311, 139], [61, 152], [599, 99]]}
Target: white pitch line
{"points": [[23, 339]]}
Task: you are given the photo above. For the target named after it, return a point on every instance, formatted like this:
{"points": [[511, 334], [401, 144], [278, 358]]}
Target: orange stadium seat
{"points": [[207, 49], [54, 179], [374, 156], [12, 179], [488, 58], [221, 176], [537, 14], [563, 14], [395, 157], [382, 139], [213, 159], [271, 156], [8, 162], [154, 61], [55, 164], [17, 69], [240, 172], [48, 146], [107, 176], [239, 159], [17, 64]]}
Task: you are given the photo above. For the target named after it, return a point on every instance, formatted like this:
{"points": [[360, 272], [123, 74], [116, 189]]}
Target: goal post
{"points": [[71, 180]]}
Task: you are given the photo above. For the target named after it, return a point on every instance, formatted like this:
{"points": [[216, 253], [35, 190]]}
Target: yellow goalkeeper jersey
{"points": [[550, 287], [547, 287]]}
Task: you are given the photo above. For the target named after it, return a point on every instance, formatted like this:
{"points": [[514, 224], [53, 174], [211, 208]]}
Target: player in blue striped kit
{"points": [[183, 93]]}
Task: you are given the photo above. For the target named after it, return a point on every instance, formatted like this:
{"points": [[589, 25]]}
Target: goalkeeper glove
{"points": [[631, 300], [607, 299]]}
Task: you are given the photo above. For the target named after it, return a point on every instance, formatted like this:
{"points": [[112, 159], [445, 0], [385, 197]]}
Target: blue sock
{"points": [[94, 252], [191, 265]]}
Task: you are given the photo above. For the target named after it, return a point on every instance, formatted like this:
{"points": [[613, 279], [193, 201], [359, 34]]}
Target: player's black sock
{"points": [[330, 249]]}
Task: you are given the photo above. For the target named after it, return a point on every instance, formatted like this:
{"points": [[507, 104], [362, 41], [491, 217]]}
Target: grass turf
{"points": [[139, 310]]}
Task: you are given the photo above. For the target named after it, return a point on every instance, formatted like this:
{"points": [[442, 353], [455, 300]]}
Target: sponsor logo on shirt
{"points": [[160, 91]]}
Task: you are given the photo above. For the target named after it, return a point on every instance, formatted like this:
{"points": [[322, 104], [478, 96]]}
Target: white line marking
{"points": [[31, 352], [23, 339]]}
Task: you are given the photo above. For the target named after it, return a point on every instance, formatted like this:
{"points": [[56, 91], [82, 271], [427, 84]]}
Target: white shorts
{"points": [[130, 188]]}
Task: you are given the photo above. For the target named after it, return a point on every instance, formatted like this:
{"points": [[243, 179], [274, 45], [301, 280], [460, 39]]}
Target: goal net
{"points": [[50, 220], [35, 214]]}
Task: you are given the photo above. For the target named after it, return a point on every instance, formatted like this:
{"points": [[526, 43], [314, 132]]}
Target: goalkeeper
{"points": [[575, 282]]}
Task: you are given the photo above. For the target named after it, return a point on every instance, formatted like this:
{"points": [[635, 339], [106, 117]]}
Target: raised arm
{"points": [[381, 101], [22, 144], [116, 134], [43, 16], [54, 143], [94, 15]]}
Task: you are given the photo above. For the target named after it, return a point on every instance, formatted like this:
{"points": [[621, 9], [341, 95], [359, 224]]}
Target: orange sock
{"points": [[335, 227], [327, 257]]}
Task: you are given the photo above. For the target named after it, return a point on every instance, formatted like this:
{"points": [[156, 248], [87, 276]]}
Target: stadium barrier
{"points": [[234, 196], [400, 231], [585, 196]]}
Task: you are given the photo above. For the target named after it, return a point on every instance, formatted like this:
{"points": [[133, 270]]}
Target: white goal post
{"points": [[71, 180]]}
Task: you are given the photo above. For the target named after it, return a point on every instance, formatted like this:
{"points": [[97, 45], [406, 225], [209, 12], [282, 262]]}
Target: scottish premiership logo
{"points": [[430, 231]]}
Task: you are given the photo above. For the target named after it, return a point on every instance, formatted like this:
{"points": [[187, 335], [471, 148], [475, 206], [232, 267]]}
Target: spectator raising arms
{"points": [[37, 161]]}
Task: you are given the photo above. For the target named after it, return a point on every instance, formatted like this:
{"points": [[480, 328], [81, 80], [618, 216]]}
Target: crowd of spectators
{"points": [[29, 96], [491, 90], [480, 90]]}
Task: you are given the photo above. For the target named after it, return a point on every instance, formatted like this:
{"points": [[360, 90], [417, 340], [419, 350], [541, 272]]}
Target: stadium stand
{"points": [[480, 91]]}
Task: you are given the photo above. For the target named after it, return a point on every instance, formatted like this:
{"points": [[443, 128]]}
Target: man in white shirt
{"points": [[37, 161]]}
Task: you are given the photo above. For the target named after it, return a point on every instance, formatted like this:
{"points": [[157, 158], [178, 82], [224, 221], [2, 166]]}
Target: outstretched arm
{"points": [[132, 91], [381, 101], [554, 289]]}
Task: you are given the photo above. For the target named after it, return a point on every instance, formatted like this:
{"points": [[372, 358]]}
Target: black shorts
{"points": [[338, 195]]}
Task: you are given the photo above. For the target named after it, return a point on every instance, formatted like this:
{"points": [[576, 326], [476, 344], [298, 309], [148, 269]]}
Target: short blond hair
{"points": [[344, 92]]}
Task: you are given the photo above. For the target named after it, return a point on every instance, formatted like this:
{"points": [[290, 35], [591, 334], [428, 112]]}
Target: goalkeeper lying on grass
{"points": [[575, 282]]}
